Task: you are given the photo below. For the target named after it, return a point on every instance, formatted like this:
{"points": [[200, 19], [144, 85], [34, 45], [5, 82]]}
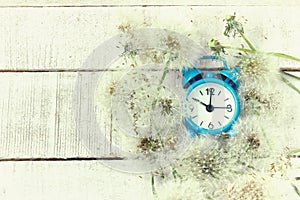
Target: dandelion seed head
{"points": [[254, 66], [172, 43], [201, 162], [245, 187]]}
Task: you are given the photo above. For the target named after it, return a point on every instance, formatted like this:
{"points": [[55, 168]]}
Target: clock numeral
{"points": [[201, 92], [229, 108], [210, 125], [210, 91]]}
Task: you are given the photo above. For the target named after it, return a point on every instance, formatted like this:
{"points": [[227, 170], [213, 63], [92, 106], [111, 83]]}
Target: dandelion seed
{"points": [[112, 88], [172, 43], [253, 141], [149, 144], [166, 105], [124, 27]]}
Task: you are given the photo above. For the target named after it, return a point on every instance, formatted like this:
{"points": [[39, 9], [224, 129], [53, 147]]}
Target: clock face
{"points": [[211, 106]]}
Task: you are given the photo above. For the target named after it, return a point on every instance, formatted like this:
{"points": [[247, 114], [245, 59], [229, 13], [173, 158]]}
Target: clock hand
{"points": [[221, 107], [210, 107], [210, 97], [199, 101], [203, 103]]}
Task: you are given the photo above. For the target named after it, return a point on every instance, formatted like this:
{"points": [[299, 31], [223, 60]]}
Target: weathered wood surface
{"points": [[63, 38], [73, 3], [70, 180], [37, 116], [36, 106]]}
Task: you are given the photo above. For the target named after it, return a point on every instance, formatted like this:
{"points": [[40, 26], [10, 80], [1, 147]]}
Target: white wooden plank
{"points": [[144, 2], [70, 181], [27, 114], [63, 38], [70, 39], [37, 119]]}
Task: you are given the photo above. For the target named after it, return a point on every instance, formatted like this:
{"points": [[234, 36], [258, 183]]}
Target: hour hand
{"points": [[199, 101]]}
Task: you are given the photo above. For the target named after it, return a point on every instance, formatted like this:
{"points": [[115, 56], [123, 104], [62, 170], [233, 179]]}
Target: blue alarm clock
{"points": [[211, 104]]}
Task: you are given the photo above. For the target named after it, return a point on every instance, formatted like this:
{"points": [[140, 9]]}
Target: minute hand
{"points": [[222, 107]]}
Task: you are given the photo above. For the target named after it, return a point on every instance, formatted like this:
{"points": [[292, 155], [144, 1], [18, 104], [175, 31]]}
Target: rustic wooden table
{"points": [[43, 47]]}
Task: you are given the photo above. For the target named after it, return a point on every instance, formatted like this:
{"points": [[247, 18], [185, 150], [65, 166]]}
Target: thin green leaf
{"points": [[152, 185], [296, 189], [291, 75], [282, 55], [293, 151], [247, 41], [166, 70], [290, 85]]}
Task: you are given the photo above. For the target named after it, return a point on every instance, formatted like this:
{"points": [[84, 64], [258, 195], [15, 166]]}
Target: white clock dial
{"points": [[210, 106]]}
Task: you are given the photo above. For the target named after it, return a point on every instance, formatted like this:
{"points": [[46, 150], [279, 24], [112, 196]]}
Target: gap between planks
{"points": [[283, 69], [59, 159], [136, 5], [82, 70]]}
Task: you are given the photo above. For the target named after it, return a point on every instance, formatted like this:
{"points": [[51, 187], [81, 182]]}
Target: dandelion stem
{"points": [[296, 189], [131, 55], [291, 75], [293, 151], [282, 55], [290, 84], [166, 70], [250, 45], [152, 185], [237, 172], [163, 77]]}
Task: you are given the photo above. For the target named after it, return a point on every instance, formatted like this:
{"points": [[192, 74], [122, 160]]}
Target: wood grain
{"points": [[37, 116], [111, 3], [43, 47], [72, 180], [63, 38], [44, 50]]}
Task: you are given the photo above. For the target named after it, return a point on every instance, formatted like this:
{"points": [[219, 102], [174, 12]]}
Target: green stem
{"points": [[290, 84], [282, 55], [132, 59], [296, 189], [293, 151], [152, 185], [163, 77], [250, 45], [291, 75], [166, 70]]}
